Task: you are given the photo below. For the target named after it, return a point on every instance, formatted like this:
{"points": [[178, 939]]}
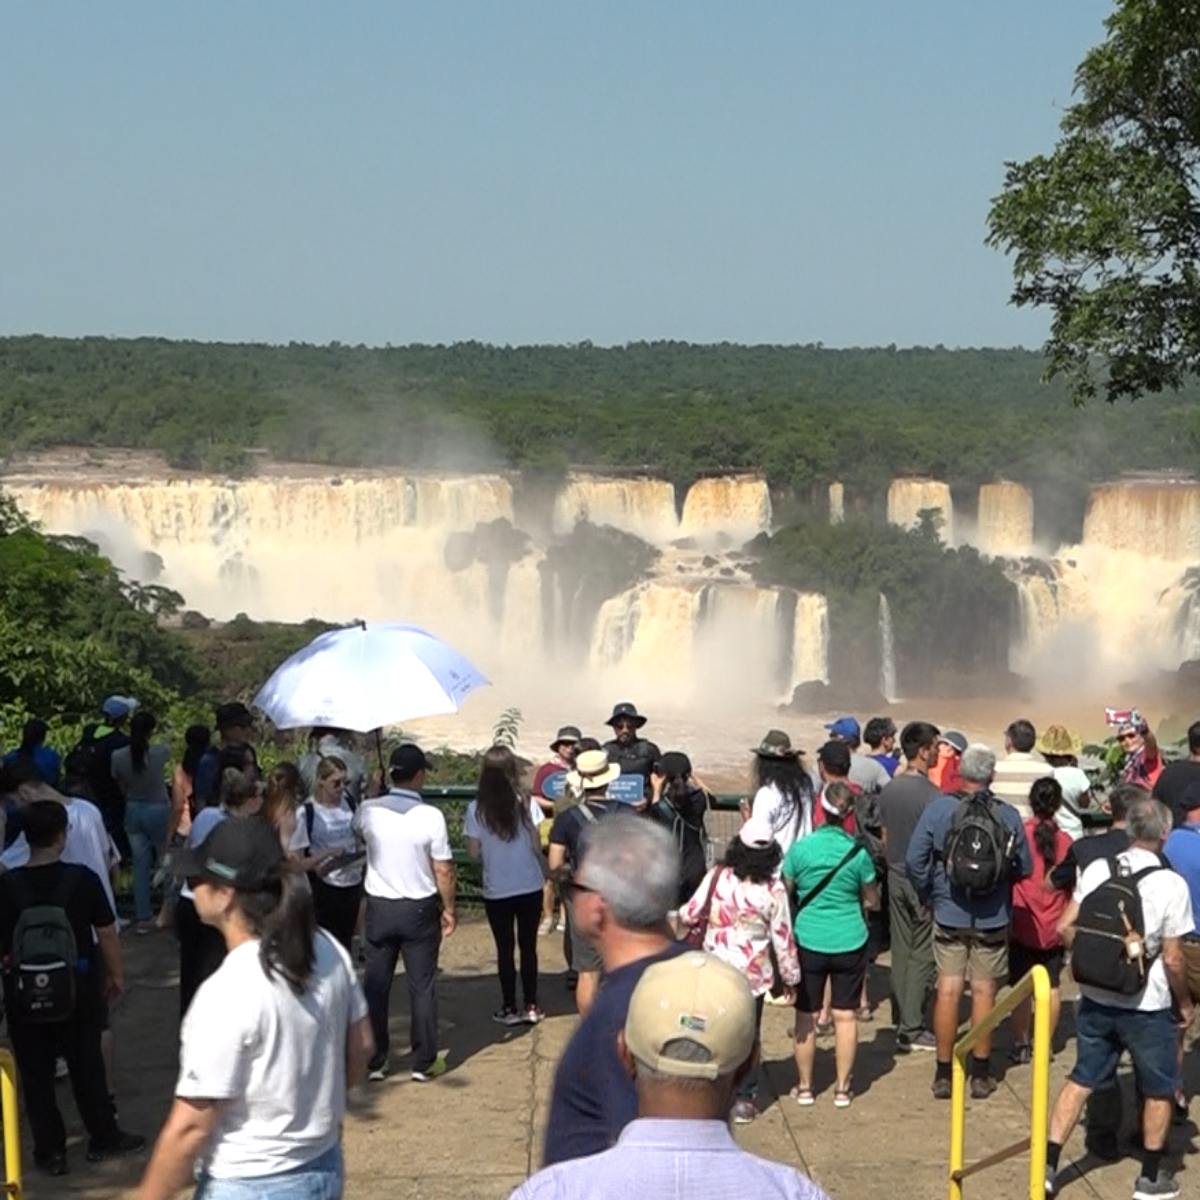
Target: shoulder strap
{"points": [[308, 819], [854, 849], [588, 815]]}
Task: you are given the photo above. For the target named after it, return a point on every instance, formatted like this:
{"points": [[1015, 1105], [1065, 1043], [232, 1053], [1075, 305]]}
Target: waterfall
{"points": [[907, 497], [887, 646], [643, 507], [1154, 520], [810, 640], [837, 503], [736, 507], [1005, 520]]}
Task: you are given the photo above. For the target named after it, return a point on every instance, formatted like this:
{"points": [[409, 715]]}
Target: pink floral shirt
{"points": [[745, 920]]}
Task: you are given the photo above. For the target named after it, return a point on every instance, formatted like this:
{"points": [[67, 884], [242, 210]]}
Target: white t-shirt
{"points": [[404, 837], [275, 1059], [1167, 911], [789, 827], [88, 845], [1074, 783], [333, 828], [509, 868], [206, 820]]}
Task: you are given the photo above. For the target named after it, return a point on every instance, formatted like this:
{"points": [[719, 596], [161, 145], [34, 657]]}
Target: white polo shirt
{"points": [[404, 837]]}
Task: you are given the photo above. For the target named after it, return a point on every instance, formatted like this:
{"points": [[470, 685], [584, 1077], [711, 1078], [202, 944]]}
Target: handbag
{"points": [[698, 932]]}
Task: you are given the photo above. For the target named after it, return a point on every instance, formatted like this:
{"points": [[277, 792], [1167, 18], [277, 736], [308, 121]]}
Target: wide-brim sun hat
{"points": [[776, 744], [626, 712], [592, 770], [1058, 740]]}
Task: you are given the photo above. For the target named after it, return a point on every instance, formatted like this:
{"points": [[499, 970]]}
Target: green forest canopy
{"points": [[804, 415]]}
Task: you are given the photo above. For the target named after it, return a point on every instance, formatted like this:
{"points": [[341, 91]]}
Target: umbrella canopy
{"points": [[367, 676]]}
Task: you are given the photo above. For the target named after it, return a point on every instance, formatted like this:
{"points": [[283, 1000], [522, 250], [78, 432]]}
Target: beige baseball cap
{"points": [[697, 998]]}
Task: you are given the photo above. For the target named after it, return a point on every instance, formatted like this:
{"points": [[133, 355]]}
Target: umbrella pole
{"points": [[379, 751]]}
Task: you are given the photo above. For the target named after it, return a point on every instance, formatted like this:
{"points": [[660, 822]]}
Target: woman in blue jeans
{"points": [[271, 1041], [139, 770]]}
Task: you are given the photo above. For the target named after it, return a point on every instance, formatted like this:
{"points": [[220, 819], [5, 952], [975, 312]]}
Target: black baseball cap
{"points": [[241, 852], [407, 760]]}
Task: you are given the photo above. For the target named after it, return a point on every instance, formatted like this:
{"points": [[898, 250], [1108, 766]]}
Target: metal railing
{"points": [[1037, 985], [12, 1132]]}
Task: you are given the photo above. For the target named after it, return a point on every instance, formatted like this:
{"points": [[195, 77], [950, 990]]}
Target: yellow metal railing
{"points": [[1037, 985], [12, 1134]]}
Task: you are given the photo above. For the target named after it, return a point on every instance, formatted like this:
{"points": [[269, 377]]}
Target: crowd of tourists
{"points": [[971, 865]]}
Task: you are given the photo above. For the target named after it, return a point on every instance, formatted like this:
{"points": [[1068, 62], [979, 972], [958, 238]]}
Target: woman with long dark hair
{"points": [[500, 827], [745, 905], [679, 802], [333, 853], [201, 948], [281, 809], [273, 1038], [1033, 931], [783, 795], [139, 771]]}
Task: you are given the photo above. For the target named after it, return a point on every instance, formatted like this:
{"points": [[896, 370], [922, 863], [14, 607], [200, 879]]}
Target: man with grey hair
{"points": [[1141, 1021], [963, 858], [620, 895], [688, 1041]]}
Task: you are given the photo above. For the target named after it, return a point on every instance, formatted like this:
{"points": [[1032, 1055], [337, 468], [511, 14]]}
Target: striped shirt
{"points": [[1015, 775], [671, 1160]]}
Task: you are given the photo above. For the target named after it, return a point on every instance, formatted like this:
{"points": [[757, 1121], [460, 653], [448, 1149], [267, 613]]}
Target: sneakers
{"points": [[942, 1089], [126, 1143], [545, 926], [982, 1086], [923, 1041], [1163, 1187], [1051, 1180], [1021, 1055], [377, 1073], [744, 1111], [435, 1070], [533, 1015], [508, 1016]]}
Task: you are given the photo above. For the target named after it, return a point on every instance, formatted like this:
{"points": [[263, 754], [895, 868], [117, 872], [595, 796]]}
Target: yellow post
{"points": [[12, 1136], [1039, 1123], [958, 1123]]}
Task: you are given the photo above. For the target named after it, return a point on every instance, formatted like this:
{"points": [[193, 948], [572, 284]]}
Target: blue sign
{"points": [[628, 789]]}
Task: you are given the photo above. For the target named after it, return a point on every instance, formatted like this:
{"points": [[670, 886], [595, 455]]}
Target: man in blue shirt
{"points": [[970, 930], [1182, 851], [620, 896]]}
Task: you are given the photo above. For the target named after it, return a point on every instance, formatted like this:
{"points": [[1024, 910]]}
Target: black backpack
{"points": [[82, 764], [308, 811], [1107, 915], [44, 961], [979, 846]]}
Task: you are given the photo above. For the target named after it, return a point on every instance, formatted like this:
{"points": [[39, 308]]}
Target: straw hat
{"points": [[592, 770], [1059, 740]]}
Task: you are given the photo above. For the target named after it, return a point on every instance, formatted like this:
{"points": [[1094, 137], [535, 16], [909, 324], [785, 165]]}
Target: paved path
{"points": [[476, 1133]]}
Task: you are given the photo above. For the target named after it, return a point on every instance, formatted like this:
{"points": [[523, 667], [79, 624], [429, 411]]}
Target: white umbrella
{"points": [[367, 676]]}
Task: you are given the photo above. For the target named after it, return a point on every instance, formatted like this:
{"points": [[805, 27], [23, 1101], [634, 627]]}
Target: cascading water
{"points": [[887, 652], [837, 503], [1005, 524], [908, 497]]}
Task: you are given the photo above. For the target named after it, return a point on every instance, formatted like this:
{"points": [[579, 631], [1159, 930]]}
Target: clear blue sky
{"points": [[521, 172]]}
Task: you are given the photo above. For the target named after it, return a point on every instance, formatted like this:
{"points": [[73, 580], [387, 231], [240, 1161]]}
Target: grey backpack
{"points": [[44, 961]]}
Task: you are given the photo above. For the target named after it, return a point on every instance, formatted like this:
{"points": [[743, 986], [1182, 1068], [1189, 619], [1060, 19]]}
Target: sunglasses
{"points": [[573, 888], [1127, 737]]}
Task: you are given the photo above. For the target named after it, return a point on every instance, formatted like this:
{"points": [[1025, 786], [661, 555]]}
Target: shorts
{"points": [[980, 954], [846, 974], [1022, 960], [1102, 1032], [584, 956], [1191, 962]]}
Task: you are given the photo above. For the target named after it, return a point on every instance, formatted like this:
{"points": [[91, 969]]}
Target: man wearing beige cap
{"points": [[689, 1040]]}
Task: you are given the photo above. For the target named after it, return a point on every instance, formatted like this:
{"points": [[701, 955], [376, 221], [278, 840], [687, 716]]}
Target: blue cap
{"points": [[845, 727]]}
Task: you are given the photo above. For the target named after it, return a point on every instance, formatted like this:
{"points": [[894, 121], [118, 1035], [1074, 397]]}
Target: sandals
{"points": [[803, 1096], [842, 1097]]}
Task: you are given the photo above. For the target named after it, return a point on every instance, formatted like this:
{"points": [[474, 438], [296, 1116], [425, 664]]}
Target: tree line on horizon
{"points": [[801, 415]]}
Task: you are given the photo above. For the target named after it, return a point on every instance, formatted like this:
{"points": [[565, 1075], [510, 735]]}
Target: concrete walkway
{"points": [[477, 1132]]}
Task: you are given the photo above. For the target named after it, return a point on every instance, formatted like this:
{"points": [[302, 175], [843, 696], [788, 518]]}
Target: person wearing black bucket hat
{"points": [[680, 803], [247, 1050], [635, 755], [564, 748]]}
